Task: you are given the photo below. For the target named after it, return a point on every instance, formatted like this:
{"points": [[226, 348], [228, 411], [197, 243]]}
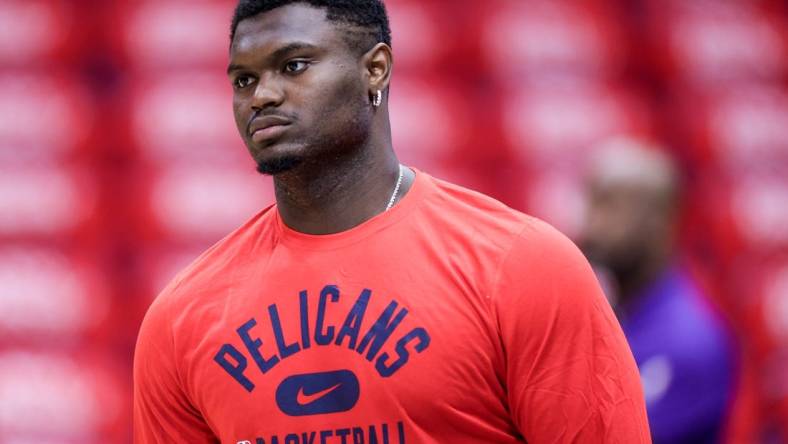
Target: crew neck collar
{"points": [[361, 231]]}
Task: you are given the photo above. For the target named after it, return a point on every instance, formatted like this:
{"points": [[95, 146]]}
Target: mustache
{"points": [[263, 113]]}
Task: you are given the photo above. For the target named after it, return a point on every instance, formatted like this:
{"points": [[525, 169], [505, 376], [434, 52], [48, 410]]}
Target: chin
{"points": [[277, 158], [278, 165]]}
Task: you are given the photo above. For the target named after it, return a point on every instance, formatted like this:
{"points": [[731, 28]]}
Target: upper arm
{"points": [[162, 412], [570, 374]]}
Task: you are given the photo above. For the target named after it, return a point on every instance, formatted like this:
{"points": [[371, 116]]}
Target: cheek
{"points": [[599, 223], [240, 115], [337, 97], [608, 231]]}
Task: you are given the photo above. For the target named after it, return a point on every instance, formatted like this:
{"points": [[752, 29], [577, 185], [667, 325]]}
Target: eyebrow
{"points": [[278, 53]]}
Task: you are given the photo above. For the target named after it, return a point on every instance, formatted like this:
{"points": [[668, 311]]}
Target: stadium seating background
{"points": [[119, 163]]}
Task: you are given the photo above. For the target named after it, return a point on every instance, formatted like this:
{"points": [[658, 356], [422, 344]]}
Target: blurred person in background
{"points": [[372, 300], [685, 353]]}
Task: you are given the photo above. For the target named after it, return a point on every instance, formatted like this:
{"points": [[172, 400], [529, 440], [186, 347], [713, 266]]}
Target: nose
{"points": [[268, 93]]}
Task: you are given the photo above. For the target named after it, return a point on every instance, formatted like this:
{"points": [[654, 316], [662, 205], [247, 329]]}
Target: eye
{"points": [[241, 82], [296, 66]]}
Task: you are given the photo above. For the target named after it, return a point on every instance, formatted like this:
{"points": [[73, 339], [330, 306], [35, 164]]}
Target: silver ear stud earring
{"points": [[377, 99]]}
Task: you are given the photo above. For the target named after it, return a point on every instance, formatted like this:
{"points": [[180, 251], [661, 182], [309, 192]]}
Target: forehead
{"points": [[296, 22]]}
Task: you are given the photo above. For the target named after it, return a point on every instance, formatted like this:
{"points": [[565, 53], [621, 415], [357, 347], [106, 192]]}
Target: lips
{"points": [[265, 128]]}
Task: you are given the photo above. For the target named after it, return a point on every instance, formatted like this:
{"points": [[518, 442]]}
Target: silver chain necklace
{"points": [[396, 190]]}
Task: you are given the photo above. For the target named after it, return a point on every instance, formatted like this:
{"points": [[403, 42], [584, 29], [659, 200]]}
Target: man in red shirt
{"points": [[372, 303]]}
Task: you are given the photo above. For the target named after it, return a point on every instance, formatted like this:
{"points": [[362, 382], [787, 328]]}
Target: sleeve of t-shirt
{"points": [[569, 372], [162, 411]]}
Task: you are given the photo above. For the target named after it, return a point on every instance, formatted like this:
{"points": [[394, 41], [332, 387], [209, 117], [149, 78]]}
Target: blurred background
{"points": [[120, 162]]}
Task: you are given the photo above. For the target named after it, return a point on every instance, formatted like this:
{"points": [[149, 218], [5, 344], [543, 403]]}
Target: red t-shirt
{"points": [[450, 318]]}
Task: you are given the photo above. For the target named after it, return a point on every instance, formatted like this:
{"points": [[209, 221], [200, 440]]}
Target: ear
{"points": [[377, 64]]}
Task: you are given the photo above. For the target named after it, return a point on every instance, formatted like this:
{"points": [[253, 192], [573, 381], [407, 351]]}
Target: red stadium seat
{"points": [[36, 32], [49, 297], [747, 127], [170, 122], [758, 205], [708, 43], [559, 199], [161, 263], [775, 310], [534, 40], [551, 132], [43, 117], [66, 397], [46, 201], [739, 138], [557, 125], [156, 35], [427, 118], [199, 203], [763, 309], [426, 36]]}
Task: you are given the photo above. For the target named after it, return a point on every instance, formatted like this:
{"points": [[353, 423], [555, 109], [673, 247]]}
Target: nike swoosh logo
{"points": [[318, 393], [304, 399]]}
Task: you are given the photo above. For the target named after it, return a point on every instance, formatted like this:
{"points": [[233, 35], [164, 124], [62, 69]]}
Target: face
{"points": [[300, 94], [622, 224]]}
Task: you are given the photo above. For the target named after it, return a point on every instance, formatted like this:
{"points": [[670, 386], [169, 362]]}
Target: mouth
{"points": [[265, 128], [268, 133]]}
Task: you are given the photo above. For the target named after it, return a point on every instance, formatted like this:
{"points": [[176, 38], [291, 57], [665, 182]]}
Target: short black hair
{"points": [[368, 16]]}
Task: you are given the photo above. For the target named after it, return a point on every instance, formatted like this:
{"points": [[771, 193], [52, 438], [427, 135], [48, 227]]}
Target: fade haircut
{"points": [[366, 20]]}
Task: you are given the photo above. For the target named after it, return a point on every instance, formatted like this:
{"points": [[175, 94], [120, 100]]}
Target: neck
{"points": [[632, 284], [326, 198]]}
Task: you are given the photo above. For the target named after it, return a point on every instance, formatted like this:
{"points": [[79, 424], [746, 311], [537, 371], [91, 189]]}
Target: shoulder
{"points": [[215, 267], [545, 273], [487, 215], [540, 254], [480, 219], [472, 224], [514, 248], [474, 206], [543, 267], [458, 212]]}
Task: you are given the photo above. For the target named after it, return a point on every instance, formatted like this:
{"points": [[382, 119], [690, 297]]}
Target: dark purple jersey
{"points": [[686, 357]]}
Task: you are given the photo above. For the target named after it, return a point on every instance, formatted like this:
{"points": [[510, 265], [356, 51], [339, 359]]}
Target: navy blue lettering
{"points": [[343, 434], [380, 332], [236, 371], [253, 345], [358, 435], [348, 435], [324, 338], [285, 350], [384, 432], [387, 370], [352, 323], [305, 342]]}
